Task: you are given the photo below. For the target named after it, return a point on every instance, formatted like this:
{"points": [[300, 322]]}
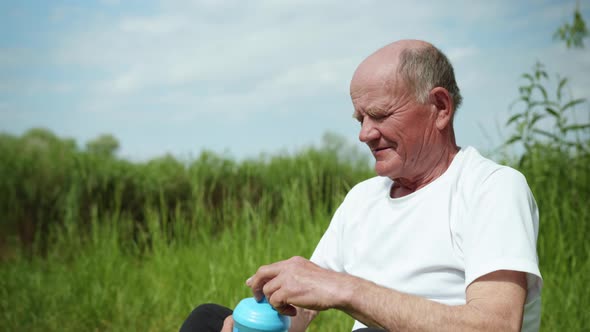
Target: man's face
{"points": [[395, 126]]}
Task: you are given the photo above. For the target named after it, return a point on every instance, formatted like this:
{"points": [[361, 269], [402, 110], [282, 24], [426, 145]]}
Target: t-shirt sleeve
{"points": [[327, 252], [502, 228]]}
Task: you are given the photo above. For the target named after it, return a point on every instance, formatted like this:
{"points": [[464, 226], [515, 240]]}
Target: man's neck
{"points": [[405, 186]]}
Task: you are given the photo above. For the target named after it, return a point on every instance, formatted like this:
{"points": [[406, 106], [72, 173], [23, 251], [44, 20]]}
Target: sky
{"points": [[242, 78]]}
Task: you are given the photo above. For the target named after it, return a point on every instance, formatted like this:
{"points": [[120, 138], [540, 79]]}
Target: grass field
{"points": [[100, 284], [117, 246]]}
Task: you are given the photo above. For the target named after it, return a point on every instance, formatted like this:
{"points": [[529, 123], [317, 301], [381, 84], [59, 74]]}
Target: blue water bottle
{"points": [[252, 316]]}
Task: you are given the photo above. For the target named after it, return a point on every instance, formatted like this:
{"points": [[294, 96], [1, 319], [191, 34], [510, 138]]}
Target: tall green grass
{"points": [[561, 184], [97, 282], [94, 243], [115, 245]]}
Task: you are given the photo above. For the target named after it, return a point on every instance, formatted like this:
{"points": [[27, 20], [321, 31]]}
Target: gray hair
{"points": [[425, 68]]}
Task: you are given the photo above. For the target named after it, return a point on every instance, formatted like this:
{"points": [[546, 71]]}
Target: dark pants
{"points": [[209, 318]]}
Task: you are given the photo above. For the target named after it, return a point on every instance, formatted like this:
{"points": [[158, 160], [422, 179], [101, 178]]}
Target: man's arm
{"points": [[494, 302]]}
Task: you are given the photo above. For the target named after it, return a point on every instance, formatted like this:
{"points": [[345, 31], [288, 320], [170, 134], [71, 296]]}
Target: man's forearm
{"points": [[394, 311]]}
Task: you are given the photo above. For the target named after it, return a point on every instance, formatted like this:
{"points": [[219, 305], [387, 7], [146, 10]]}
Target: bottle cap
{"points": [[260, 316]]}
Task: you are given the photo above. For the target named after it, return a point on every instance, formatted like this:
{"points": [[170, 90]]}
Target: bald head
{"points": [[416, 64], [389, 55]]}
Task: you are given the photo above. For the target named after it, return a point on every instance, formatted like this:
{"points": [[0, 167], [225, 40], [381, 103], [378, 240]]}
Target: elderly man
{"points": [[442, 240]]}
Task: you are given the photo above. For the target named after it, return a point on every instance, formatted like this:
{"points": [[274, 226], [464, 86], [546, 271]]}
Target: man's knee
{"points": [[208, 310], [206, 317]]}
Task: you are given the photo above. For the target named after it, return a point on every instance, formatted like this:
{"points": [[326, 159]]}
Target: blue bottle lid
{"points": [[260, 316]]}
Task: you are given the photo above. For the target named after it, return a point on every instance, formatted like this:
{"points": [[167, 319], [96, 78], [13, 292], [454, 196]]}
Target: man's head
{"points": [[427, 67], [405, 96]]}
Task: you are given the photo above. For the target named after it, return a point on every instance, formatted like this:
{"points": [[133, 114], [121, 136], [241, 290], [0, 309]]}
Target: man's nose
{"points": [[368, 131]]}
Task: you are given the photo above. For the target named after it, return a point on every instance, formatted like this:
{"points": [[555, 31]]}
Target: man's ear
{"points": [[442, 103]]}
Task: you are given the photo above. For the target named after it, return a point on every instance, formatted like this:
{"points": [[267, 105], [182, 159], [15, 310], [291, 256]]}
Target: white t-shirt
{"points": [[477, 218]]}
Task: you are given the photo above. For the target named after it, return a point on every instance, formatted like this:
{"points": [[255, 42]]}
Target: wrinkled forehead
{"points": [[371, 76], [373, 83], [372, 97], [374, 90]]}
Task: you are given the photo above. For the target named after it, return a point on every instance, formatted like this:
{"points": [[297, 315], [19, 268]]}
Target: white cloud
{"points": [[459, 53], [126, 82], [157, 25], [312, 78], [181, 47], [235, 58]]}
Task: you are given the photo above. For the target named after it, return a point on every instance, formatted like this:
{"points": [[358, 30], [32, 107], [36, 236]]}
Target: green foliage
{"points": [[104, 145], [546, 118], [573, 34], [49, 182], [560, 181], [135, 246], [555, 163]]}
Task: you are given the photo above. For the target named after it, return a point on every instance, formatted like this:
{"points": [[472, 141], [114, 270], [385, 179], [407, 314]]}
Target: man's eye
{"points": [[379, 116]]}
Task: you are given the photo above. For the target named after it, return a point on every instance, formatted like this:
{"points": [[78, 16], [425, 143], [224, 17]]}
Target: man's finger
{"points": [[271, 286], [287, 309], [261, 277], [278, 302], [228, 324]]}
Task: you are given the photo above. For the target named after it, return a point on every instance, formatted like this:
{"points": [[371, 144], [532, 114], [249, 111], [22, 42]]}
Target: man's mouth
{"points": [[382, 148]]}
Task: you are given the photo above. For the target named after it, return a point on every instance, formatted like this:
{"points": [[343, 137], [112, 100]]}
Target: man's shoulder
{"points": [[482, 167], [477, 170]]}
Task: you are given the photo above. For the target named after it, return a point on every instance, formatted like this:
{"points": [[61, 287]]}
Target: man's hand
{"points": [[228, 324], [299, 282]]}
